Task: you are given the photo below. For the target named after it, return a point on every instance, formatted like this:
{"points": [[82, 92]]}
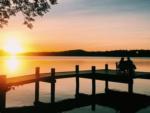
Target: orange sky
{"points": [[76, 24]]}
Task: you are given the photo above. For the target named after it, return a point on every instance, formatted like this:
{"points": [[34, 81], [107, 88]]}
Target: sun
{"points": [[13, 46]]}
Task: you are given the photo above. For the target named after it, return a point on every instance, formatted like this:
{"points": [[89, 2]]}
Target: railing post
{"points": [[52, 81], [117, 67], [93, 81], [3, 89], [106, 81], [37, 76], [93, 87], [77, 81], [106, 67]]}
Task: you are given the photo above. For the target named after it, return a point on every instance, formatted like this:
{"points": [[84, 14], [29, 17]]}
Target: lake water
{"points": [[24, 95]]}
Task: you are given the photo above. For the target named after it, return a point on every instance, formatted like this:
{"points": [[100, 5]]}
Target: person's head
{"points": [[122, 58], [128, 58]]}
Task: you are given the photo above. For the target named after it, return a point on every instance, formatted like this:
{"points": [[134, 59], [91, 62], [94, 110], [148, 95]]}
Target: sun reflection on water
{"points": [[12, 64]]}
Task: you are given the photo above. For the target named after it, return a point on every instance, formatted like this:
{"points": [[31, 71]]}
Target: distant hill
{"points": [[78, 52]]}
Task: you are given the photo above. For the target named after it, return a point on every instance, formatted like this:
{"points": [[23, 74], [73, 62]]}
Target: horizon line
{"points": [[3, 51]]}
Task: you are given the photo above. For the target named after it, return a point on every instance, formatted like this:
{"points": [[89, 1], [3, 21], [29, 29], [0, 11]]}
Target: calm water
{"points": [[24, 95]]}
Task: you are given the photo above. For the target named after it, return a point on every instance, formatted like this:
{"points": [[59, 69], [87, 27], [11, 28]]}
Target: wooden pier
{"points": [[94, 74]]}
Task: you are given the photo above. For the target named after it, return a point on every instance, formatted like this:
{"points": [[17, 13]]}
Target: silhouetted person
{"points": [[121, 65], [130, 66]]}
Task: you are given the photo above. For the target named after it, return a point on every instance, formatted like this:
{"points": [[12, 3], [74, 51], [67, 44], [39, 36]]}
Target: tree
{"points": [[28, 8]]}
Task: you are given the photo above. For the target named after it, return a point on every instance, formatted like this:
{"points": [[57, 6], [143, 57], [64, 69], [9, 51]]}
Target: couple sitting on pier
{"points": [[126, 66]]}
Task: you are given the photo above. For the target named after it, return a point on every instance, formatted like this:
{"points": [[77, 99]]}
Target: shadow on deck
{"points": [[120, 101]]}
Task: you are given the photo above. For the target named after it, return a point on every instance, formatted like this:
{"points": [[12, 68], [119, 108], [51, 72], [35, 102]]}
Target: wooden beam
{"points": [[130, 86], [3, 89], [93, 80], [93, 87], [52, 81], [106, 81], [37, 76], [77, 81], [106, 67]]}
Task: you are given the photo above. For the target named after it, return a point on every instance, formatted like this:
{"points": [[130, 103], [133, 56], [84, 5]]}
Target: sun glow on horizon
{"points": [[13, 46]]}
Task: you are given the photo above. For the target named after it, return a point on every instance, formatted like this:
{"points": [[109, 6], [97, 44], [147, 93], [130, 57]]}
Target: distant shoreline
{"points": [[83, 53]]}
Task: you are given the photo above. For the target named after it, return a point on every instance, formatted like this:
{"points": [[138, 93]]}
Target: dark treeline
{"points": [[114, 53]]}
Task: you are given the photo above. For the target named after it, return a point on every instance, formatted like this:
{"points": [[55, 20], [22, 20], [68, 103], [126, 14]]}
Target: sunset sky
{"points": [[84, 24]]}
